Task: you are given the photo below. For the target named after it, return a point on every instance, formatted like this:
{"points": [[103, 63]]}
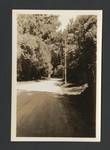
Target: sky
{"points": [[64, 19], [64, 15]]}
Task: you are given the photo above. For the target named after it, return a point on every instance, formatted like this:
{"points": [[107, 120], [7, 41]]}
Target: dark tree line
{"points": [[41, 48], [36, 34], [81, 41]]}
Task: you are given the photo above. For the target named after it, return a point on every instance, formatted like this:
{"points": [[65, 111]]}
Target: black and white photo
{"points": [[56, 75]]}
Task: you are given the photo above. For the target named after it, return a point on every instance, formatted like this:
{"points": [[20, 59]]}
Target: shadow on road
{"points": [[52, 114]]}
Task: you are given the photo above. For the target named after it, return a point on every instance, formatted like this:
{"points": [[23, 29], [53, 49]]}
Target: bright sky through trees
{"points": [[64, 20]]}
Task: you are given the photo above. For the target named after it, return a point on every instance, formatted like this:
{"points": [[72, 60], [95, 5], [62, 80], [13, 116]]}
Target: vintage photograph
{"points": [[56, 75]]}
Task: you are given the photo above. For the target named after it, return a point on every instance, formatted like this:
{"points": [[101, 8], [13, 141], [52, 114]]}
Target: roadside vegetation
{"points": [[41, 49]]}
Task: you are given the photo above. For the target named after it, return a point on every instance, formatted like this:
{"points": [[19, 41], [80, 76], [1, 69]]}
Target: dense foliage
{"points": [[81, 51], [41, 48], [35, 36]]}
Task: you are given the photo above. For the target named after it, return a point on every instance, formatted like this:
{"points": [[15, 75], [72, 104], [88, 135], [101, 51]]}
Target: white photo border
{"points": [[98, 13]]}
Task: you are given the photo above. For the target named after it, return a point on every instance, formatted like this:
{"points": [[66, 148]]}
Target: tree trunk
{"points": [[49, 76]]}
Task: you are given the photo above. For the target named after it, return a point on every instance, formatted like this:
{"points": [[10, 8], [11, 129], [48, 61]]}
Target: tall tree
{"points": [[34, 38], [82, 47]]}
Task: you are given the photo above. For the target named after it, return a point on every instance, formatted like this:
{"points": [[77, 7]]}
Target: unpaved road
{"points": [[43, 111]]}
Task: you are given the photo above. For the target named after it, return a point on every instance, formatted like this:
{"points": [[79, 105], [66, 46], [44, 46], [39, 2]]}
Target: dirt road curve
{"points": [[46, 113]]}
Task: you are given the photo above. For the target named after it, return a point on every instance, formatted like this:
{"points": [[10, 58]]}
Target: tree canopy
{"points": [[35, 36], [81, 41], [41, 47]]}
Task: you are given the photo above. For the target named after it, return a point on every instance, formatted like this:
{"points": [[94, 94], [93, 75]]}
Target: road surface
{"points": [[44, 111]]}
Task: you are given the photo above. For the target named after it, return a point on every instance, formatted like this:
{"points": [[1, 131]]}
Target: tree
{"points": [[35, 35], [82, 48], [81, 55]]}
